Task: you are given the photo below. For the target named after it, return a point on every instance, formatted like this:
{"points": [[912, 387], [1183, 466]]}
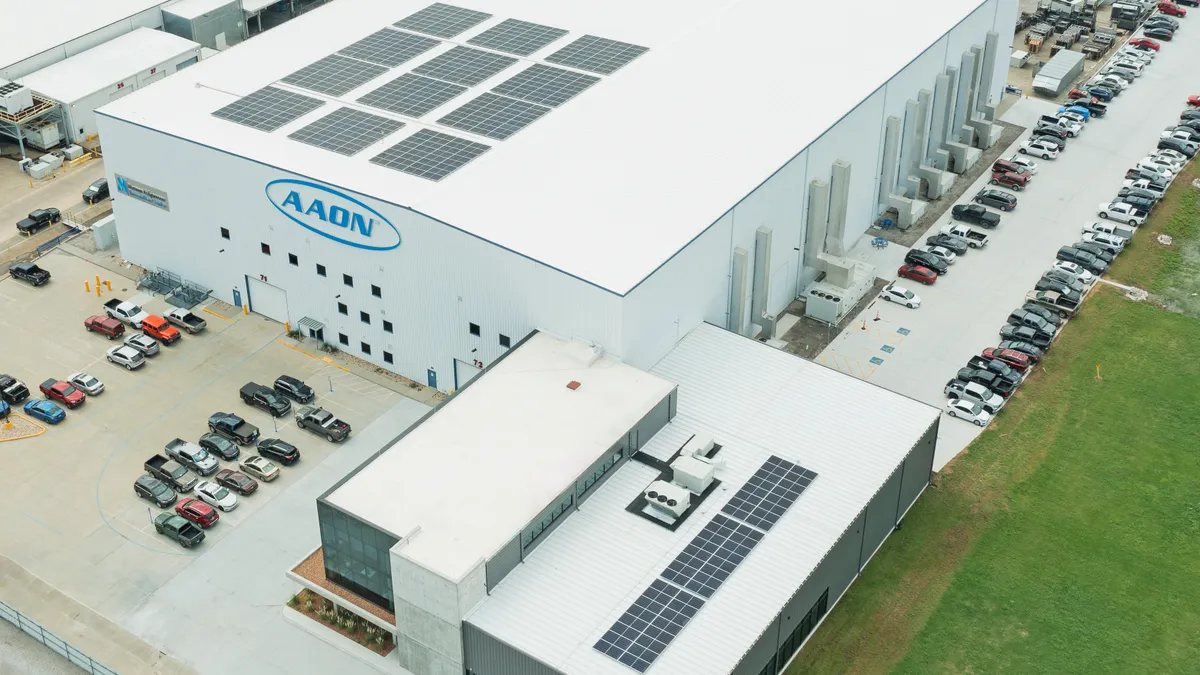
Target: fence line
{"points": [[34, 629]]}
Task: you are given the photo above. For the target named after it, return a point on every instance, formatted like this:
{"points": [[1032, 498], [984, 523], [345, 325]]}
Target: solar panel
{"points": [[494, 116], [769, 493], [430, 154], [517, 37], [708, 560], [442, 20], [268, 108], [334, 75], [463, 65], [645, 629], [390, 48], [546, 85], [596, 54], [412, 95], [346, 131]]}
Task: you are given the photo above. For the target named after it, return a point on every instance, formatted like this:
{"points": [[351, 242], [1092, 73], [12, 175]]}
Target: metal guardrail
{"points": [[34, 630], [51, 243]]}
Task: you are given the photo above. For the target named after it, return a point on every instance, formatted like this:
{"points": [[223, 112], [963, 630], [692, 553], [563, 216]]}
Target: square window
{"points": [[320, 270], [364, 317], [348, 280], [293, 259], [366, 348], [376, 291], [387, 357], [342, 309], [387, 326], [266, 248], [343, 339], [505, 342], [474, 328], [224, 232]]}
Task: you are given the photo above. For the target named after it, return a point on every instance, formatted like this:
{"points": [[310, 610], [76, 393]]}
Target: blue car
{"points": [[1103, 93], [45, 411], [5, 409], [1087, 114]]}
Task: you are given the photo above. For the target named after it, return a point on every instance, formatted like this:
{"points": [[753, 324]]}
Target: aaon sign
{"points": [[333, 215]]}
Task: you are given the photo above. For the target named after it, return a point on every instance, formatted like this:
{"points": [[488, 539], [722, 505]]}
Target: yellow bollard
{"points": [[97, 290], [87, 287], [246, 310], [97, 284], [108, 284], [287, 327]]}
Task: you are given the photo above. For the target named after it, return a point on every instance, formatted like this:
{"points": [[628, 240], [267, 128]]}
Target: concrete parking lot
{"points": [[914, 352], [19, 195]]}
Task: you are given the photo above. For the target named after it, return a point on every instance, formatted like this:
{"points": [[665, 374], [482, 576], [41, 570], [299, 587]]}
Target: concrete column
{"points": [[818, 217], [891, 159], [936, 156], [908, 148], [762, 275], [738, 292], [962, 102], [839, 200], [924, 107], [982, 101]]}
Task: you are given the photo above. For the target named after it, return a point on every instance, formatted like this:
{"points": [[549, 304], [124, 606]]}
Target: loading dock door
{"points": [[464, 373], [268, 300]]}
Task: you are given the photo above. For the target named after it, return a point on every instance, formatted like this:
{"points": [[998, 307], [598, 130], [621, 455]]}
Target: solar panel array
{"points": [[517, 37], [649, 625], [494, 116], [412, 95], [546, 85], [769, 493], [463, 65], [596, 54], [708, 560], [442, 20], [347, 131], [269, 108], [430, 154], [390, 48], [334, 75]]}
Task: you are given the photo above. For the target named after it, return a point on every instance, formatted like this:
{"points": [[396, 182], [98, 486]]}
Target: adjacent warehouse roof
{"points": [[494, 456], [756, 402], [190, 9], [99, 67], [703, 101], [67, 20]]}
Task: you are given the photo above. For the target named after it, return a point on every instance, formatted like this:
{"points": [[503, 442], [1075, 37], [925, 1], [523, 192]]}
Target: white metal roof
{"points": [[67, 20], [490, 460], [251, 7], [190, 9], [756, 401], [610, 185], [105, 65]]}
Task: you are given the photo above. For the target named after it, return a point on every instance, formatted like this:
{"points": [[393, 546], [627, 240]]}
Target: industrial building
{"points": [[568, 514], [420, 185], [215, 24]]}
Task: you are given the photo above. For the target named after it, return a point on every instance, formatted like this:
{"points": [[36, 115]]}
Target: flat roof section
{"points": [[755, 401], [473, 474], [102, 66], [71, 19], [614, 182], [190, 9]]}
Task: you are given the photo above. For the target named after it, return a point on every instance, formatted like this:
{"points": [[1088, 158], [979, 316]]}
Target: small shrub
{"points": [[308, 605]]}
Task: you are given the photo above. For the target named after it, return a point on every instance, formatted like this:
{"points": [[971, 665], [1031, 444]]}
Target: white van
{"points": [[1127, 66]]}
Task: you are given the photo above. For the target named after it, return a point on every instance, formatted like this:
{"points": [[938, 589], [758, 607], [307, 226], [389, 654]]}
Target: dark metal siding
{"points": [[881, 516], [485, 655], [918, 468], [503, 562]]}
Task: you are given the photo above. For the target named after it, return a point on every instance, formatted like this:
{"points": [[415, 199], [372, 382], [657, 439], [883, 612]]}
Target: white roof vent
{"points": [[693, 473], [671, 500], [698, 446]]}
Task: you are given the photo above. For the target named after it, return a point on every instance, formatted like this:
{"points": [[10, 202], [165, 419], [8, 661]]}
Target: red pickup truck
{"points": [[157, 327], [106, 326], [63, 392]]}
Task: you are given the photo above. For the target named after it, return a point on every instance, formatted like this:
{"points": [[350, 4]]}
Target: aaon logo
{"points": [[333, 215]]}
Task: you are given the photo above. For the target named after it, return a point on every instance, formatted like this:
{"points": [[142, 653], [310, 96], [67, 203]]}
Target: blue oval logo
{"points": [[333, 215]]}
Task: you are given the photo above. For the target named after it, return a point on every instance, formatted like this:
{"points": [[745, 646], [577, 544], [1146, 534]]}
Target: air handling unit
{"points": [[14, 97]]}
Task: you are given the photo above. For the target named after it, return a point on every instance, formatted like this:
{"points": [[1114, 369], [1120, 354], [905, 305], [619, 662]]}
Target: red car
{"points": [[1009, 179], [917, 273], [105, 325], [1075, 94], [238, 482], [1018, 361], [1171, 9], [1194, 100], [63, 392], [198, 512], [1145, 42]]}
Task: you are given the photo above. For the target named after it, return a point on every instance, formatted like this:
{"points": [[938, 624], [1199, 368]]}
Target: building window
{"points": [[376, 291], [342, 309], [348, 280], [387, 326], [293, 259], [364, 317], [266, 249], [387, 357], [320, 270], [343, 339], [474, 328], [591, 480], [804, 628], [224, 232], [546, 520], [366, 348], [505, 342]]}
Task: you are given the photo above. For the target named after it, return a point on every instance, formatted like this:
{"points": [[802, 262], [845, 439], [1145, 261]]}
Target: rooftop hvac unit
{"points": [[697, 446], [670, 499], [14, 97], [693, 473]]}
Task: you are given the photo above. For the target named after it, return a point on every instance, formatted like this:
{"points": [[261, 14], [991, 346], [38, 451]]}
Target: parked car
{"points": [[86, 383], [154, 490], [198, 512], [917, 273], [30, 273], [1122, 213], [1048, 315], [975, 214], [1096, 108], [998, 199], [1053, 301], [1051, 130], [40, 408], [1069, 284], [1024, 334], [1147, 185], [97, 191], [294, 388], [1076, 94], [279, 450], [1075, 113], [192, 456], [257, 395], [176, 528], [217, 496], [969, 411], [62, 392], [946, 255], [1100, 93], [104, 325], [37, 220], [996, 367], [233, 427], [1071, 128], [1058, 286], [1026, 348], [219, 446], [260, 468], [954, 244], [1022, 319], [1076, 271], [145, 344], [1011, 167], [1178, 145], [125, 312], [170, 472], [323, 423], [1145, 196], [236, 481], [1096, 250], [900, 295], [126, 356], [975, 393], [1015, 360], [924, 259], [5, 409], [1111, 244], [12, 390], [1023, 161], [186, 320], [1012, 180], [988, 379], [1177, 156], [1114, 84], [159, 329], [1171, 9], [1164, 34], [1053, 141], [1145, 42], [974, 238], [1039, 148], [1082, 258]]}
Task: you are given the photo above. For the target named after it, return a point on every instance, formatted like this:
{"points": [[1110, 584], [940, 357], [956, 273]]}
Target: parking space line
{"points": [[39, 522], [219, 316]]}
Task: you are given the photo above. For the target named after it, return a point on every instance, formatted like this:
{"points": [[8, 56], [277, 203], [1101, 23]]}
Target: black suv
{"points": [[997, 199], [956, 244], [1095, 250], [282, 451], [295, 389], [152, 489], [29, 272], [926, 259], [1082, 258], [975, 214], [1176, 145], [97, 191]]}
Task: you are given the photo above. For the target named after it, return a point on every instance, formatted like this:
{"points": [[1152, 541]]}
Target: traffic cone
{"points": [[876, 315]]}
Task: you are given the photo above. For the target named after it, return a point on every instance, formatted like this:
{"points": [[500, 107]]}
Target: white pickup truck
{"points": [[974, 238], [126, 312]]}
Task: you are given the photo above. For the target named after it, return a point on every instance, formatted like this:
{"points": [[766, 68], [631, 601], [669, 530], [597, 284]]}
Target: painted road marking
{"points": [[903, 331], [888, 349]]}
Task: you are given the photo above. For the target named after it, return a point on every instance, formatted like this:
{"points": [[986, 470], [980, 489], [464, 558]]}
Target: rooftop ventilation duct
{"points": [[671, 500]]}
